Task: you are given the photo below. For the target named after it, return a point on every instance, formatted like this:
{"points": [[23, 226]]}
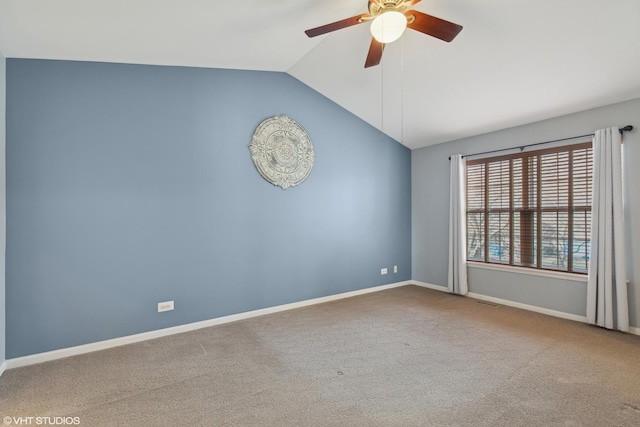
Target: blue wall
{"points": [[128, 185], [2, 207]]}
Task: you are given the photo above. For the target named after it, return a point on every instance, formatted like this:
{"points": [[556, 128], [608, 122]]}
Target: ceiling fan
{"points": [[389, 20]]}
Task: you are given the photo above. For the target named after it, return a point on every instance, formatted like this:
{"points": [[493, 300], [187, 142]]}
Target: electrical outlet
{"points": [[395, 268], [165, 306], [383, 271]]}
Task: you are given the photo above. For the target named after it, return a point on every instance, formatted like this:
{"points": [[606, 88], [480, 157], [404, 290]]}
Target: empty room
{"points": [[320, 213]]}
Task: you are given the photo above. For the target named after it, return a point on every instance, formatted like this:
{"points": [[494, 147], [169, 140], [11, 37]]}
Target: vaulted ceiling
{"points": [[514, 62]]}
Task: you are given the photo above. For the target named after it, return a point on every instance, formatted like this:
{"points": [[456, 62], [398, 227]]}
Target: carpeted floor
{"points": [[408, 356]]}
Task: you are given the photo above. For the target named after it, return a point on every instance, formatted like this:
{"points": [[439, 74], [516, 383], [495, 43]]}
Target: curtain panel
{"points": [[457, 281], [607, 303]]}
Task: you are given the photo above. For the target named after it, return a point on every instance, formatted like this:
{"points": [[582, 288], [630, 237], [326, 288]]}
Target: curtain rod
{"points": [[627, 128]]}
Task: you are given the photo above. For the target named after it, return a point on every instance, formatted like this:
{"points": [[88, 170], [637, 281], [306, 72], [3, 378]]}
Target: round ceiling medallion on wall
{"points": [[282, 151]]}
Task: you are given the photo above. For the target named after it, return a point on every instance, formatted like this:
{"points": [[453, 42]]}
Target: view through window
{"points": [[531, 209]]}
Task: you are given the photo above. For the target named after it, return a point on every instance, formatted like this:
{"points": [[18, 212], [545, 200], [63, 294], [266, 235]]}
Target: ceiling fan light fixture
{"points": [[388, 26]]}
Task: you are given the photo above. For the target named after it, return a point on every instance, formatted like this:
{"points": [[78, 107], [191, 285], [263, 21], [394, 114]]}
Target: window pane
{"points": [[519, 184], [525, 182], [475, 187], [554, 240], [554, 180], [499, 237], [498, 185], [475, 236], [524, 238], [582, 177], [581, 230]]}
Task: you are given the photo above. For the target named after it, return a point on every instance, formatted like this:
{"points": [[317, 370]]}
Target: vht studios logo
{"points": [[40, 421]]}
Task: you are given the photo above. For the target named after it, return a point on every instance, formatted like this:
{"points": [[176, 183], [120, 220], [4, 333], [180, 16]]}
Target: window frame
{"points": [[536, 237]]}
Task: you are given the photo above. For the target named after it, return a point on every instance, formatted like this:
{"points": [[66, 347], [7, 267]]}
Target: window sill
{"points": [[529, 271]]}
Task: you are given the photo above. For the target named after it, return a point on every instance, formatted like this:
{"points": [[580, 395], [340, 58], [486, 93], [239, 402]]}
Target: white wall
{"points": [[430, 194]]}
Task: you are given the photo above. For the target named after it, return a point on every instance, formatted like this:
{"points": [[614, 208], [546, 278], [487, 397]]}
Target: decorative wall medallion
{"points": [[282, 151]]}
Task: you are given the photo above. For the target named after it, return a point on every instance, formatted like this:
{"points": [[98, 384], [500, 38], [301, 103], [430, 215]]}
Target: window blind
{"points": [[531, 209]]}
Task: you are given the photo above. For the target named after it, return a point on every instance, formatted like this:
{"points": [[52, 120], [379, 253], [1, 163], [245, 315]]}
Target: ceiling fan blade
{"points": [[375, 53], [354, 20], [430, 25]]}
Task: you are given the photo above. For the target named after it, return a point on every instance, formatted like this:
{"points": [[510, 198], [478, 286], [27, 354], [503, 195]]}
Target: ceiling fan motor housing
{"points": [[381, 6], [378, 7]]}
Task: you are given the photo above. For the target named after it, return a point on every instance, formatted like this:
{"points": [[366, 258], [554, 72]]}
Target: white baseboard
{"points": [[130, 339], [528, 307], [509, 303], [549, 312], [430, 286]]}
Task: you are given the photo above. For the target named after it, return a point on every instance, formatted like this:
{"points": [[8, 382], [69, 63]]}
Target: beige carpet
{"points": [[404, 357]]}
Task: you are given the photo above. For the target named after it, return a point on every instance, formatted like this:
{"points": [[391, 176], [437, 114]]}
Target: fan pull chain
{"points": [[382, 102], [402, 92]]}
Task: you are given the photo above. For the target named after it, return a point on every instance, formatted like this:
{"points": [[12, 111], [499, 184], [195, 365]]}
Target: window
{"points": [[531, 209]]}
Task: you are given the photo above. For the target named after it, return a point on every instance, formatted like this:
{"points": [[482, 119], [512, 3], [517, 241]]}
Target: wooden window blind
{"points": [[531, 209]]}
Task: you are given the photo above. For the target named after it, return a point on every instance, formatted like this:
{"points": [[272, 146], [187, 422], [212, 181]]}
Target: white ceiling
{"points": [[515, 61]]}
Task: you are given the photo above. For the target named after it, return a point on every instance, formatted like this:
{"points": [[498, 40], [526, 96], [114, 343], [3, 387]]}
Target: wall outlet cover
{"points": [[165, 306]]}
